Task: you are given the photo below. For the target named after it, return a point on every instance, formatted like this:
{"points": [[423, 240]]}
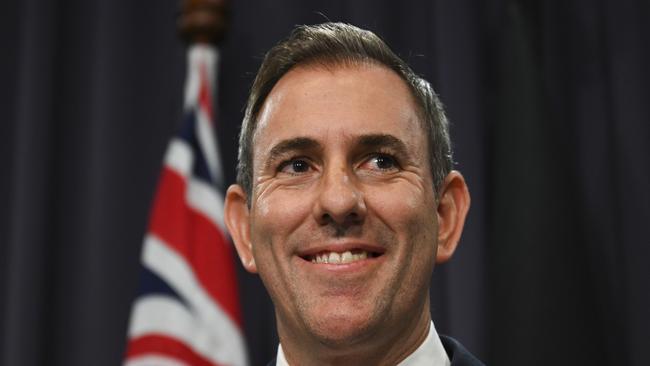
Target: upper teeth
{"points": [[339, 258]]}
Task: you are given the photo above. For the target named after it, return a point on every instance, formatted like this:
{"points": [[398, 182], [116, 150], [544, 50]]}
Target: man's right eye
{"points": [[294, 166]]}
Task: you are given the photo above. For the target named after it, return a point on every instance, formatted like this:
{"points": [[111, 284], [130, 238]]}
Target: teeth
{"points": [[335, 258], [346, 257], [339, 258]]}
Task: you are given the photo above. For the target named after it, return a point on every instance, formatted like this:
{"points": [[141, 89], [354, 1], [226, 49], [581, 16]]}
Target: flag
{"points": [[187, 311]]}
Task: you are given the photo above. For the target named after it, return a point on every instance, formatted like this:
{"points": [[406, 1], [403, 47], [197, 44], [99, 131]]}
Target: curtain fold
{"points": [[548, 103]]}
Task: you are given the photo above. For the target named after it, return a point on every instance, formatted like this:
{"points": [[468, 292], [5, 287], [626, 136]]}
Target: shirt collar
{"points": [[430, 352]]}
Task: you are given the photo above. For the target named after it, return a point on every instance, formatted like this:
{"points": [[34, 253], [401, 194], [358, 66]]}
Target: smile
{"points": [[345, 257]]}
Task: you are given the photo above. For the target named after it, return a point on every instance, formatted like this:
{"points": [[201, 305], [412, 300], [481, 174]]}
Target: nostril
{"points": [[351, 218], [327, 219]]}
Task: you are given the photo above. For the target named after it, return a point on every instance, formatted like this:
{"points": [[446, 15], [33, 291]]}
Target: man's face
{"points": [[343, 214]]}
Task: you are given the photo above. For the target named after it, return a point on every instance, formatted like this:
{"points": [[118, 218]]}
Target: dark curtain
{"points": [[549, 104]]}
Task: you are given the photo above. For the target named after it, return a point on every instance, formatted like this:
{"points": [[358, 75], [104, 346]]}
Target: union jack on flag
{"points": [[187, 311]]}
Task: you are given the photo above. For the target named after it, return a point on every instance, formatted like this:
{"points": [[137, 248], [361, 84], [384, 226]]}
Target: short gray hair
{"points": [[339, 44]]}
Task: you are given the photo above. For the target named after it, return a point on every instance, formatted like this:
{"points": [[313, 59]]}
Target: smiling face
{"points": [[343, 219]]}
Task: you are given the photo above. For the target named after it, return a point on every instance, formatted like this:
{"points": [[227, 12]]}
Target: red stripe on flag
{"points": [[166, 346], [205, 97], [197, 239]]}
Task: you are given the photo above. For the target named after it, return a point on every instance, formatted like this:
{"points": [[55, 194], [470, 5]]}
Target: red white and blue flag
{"points": [[187, 311]]}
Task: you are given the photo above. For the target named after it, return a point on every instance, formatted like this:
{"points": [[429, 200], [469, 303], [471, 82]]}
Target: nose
{"points": [[340, 201]]}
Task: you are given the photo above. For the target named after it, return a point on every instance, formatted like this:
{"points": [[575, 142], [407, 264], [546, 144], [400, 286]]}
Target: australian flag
{"points": [[187, 311]]}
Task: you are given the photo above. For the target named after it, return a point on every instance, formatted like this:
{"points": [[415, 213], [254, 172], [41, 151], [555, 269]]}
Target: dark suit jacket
{"points": [[458, 355]]}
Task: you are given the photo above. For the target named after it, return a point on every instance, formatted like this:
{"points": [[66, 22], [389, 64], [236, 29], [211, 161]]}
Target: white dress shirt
{"points": [[429, 353]]}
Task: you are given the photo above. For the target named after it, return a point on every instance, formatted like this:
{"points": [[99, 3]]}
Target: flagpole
{"points": [[202, 24], [203, 21]]}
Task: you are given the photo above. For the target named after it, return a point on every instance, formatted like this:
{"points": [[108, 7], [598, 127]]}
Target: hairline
{"points": [[333, 65]]}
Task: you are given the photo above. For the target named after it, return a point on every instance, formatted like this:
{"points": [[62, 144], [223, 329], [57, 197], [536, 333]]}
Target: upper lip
{"points": [[341, 247]]}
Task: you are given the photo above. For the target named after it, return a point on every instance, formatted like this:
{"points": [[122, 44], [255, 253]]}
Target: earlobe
{"points": [[236, 215], [452, 210]]}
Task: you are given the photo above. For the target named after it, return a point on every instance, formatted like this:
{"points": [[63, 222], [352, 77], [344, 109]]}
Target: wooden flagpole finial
{"points": [[203, 21]]}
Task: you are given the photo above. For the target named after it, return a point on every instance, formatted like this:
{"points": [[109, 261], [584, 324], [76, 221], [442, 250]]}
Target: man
{"points": [[345, 200]]}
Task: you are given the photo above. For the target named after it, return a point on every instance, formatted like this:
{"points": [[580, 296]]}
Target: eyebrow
{"points": [[383, 140], [294, 144]]}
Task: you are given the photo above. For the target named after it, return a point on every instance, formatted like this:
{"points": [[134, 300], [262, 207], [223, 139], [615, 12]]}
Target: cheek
{"points": [[403, 206], [411, 215], [413, 202], [278, 213]]}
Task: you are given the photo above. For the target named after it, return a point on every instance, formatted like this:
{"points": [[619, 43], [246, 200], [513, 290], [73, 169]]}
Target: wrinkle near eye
{"points": [[264, 186]]}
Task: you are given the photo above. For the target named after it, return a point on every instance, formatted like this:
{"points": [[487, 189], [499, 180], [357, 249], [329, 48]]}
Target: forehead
{"points": [[338, 103]]}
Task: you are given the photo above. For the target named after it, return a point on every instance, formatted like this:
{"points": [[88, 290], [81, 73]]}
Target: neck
{"points": [[386, 346]]}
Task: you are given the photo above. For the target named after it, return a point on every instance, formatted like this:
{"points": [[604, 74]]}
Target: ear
{"points": [[452, 210], [237, 220]]}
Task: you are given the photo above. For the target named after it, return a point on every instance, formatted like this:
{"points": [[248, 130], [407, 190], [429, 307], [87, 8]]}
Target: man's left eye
{"points": [[382, 162], [294, 166]]}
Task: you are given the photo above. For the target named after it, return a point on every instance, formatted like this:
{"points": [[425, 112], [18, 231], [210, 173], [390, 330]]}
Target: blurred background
{"points": [[550, 108]]}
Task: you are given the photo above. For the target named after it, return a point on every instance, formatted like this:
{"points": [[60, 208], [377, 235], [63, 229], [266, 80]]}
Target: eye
{"points": [[294, 166], [381, 162]]}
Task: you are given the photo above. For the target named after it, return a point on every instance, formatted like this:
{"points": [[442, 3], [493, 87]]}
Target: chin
{"points": [[336, 330]]}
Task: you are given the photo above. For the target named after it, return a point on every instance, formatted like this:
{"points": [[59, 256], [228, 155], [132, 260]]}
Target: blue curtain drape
{"points": [[548, 102]]}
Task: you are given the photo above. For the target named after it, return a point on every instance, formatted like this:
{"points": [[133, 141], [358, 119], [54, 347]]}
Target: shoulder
{"points": [[458, 355]]}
